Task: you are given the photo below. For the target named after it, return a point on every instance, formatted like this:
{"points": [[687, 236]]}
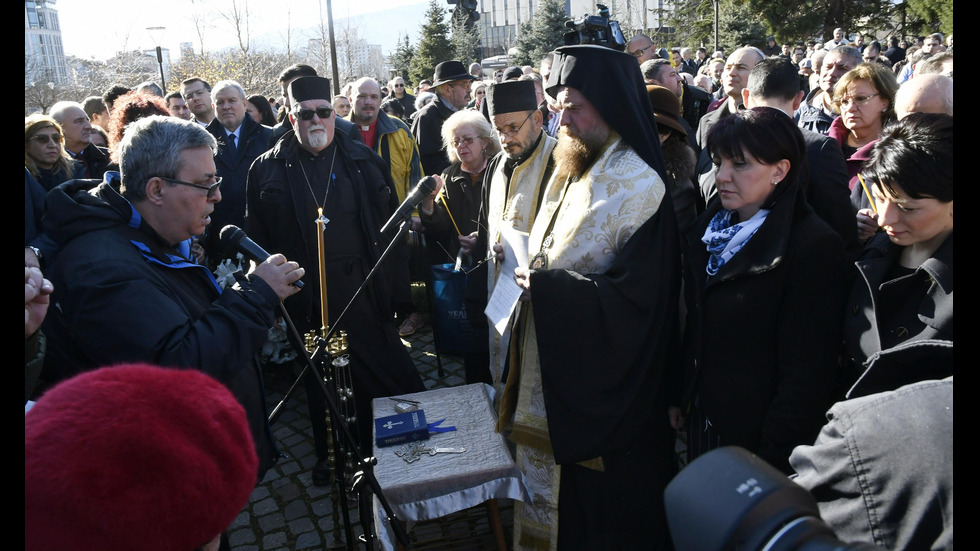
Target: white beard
{"points": [[319, 139]]}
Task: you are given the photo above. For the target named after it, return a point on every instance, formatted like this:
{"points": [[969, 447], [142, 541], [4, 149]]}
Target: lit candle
{"points": [[323, 269]]}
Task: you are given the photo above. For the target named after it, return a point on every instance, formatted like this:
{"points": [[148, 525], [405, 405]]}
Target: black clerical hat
{"points": [[307, 88], [511, 96]]}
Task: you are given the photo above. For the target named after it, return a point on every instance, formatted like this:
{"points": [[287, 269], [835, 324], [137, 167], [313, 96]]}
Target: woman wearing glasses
{"points": [[470, 144], [865, 98], [44, 152]]}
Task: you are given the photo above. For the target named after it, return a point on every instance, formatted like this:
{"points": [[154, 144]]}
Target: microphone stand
{"points": [[364, 467]]}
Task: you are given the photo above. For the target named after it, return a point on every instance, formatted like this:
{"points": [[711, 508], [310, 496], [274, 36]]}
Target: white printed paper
{"points": [[507, 292]]}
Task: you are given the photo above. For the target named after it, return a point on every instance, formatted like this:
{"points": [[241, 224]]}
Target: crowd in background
{"points": [[810, 188]]}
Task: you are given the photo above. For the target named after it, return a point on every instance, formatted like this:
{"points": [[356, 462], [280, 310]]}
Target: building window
{"points": [[31, 15]]}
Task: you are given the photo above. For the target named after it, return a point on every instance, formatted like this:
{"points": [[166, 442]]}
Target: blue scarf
{"points": [[724, 240]]}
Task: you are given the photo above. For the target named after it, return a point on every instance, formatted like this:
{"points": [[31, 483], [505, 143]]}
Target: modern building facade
{"points": [[44, 55]]}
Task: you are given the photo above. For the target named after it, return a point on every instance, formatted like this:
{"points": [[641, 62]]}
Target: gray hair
{"points": [[849, 52], [57, 111], [150, 87], [153, 146], [222, 85], [468, 117]]}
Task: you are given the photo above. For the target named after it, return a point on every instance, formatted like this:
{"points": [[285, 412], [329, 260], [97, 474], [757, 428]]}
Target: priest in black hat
{"points": [[585, 399], [310, 168], [451, 85], [515, 180]]}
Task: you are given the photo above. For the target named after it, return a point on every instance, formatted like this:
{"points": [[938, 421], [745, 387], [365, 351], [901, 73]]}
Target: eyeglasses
{"points": [[860, 101], [510, 132], [210, 189], [638, 53], [399, 86], [43, 139], [305, 114], [465, 140]]}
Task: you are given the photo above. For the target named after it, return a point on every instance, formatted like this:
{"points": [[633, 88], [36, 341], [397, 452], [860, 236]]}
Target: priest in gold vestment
{"points": [[584, 398]]}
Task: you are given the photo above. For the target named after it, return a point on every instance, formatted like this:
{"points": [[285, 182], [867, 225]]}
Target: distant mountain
{"points": [[382, 27]]}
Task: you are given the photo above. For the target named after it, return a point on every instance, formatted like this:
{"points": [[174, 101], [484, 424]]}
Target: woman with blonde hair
{"points": [[44, 152], [470, 144], [865, 99]]}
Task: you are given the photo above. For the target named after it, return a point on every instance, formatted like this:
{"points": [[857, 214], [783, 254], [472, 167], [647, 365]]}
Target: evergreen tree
{"points": [[739, 26], [401, 59], [544, 33], [935, 15], [465, 41], [693, 21], [525, 45], [434, 46]]}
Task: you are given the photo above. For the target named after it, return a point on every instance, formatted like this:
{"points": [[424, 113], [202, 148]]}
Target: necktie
{"points": [[231, 142]]}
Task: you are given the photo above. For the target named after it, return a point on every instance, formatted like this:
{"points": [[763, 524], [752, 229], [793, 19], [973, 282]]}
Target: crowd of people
{"points": [[718, 247]]}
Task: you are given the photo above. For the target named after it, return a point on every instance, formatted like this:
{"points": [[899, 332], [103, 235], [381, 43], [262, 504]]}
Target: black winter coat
{"points": [[763, 334], [884, 311], [280, 217], [427, 131], [122, 294], [232, 167]]}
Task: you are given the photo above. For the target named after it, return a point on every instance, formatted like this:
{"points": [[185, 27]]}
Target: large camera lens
{"points": [[730, 499]]}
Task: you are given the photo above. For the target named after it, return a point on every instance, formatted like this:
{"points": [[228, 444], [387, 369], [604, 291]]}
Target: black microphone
{"points": [[233, 238], [425, 186]]}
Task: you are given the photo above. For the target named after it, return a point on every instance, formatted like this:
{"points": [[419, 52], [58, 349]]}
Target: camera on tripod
{"points": [[595, 29]]}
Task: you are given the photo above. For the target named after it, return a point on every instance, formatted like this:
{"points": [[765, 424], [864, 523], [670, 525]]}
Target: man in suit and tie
{"points": [[240, 140]]}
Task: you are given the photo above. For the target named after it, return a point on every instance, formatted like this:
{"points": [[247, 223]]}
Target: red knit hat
{"points": [[135, 457]]}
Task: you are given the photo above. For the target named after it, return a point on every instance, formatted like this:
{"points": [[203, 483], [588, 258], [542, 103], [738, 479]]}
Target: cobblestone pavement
{"points": [[287, 512]]}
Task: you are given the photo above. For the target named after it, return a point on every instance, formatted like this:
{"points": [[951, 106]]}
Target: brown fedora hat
{"points": [[448, 71], [666, 108]]}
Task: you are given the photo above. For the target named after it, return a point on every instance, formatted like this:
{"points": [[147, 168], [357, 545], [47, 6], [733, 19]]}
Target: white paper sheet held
{"points": [[506, 293]]}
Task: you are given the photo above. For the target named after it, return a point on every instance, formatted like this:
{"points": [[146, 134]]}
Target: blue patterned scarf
{"points": [[724, 240]]}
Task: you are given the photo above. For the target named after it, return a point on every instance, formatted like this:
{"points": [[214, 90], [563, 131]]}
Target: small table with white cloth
{"points": [[438, 485]]}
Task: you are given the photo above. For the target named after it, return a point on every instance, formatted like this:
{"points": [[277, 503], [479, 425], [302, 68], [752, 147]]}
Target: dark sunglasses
{"points": [[305, 114], [43, 139], [399, 86]]}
